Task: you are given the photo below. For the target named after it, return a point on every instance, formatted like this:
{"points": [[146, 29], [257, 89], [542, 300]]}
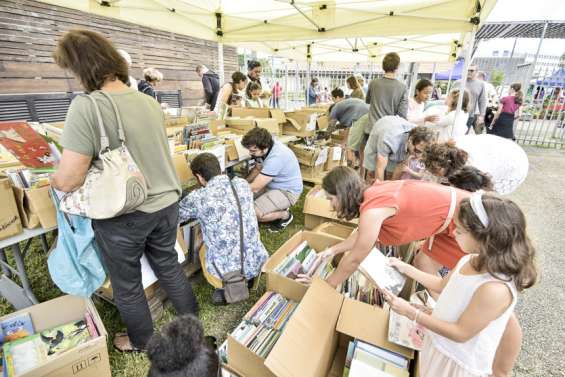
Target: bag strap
{"points": [[104, 141], [450, 213], [121, 134], [240, 232]]}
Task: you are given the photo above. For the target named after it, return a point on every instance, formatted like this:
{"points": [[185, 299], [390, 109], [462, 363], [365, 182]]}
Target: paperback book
{"points": [[405, 332], [365, 360]]}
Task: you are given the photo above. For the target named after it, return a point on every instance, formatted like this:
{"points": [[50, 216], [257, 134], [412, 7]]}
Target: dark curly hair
{"points": [[180, 350], [443, 159], [421, 134], [348, 187], [471, 179], [506, 251], [259, 137]]}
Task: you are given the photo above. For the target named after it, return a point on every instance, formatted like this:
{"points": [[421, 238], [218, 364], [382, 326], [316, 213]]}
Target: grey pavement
{"points": [[541, 309]]}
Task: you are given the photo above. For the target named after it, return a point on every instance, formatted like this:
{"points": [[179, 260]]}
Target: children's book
{"points": [[31, 352], [16, 327], [26, 145], [405, 332]]}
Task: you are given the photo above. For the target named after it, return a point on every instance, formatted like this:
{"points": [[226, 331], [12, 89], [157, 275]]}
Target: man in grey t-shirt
{"points": [[387, 95], [347, 111], [478, 99], [391, 140]]}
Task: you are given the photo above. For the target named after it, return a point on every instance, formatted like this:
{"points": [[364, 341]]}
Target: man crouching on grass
{"points": [[275, 181]]}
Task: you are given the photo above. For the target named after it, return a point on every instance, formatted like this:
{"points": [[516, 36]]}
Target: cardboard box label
{"points": [[10, 224], [322, 157]]}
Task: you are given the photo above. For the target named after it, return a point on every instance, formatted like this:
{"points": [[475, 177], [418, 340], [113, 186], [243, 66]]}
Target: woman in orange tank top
{"points": [[396, 213]]}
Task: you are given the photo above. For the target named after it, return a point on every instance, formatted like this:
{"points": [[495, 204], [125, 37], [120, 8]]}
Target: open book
{"points": [[375, 267]]}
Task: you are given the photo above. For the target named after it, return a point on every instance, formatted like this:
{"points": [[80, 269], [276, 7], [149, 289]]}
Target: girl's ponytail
{"points": [[519, 95]]}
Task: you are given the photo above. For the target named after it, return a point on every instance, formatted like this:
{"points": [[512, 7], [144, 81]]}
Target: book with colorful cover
{"points": [[26, 145], [375, 267], [16, 327], [32, 351], [406, 332]]}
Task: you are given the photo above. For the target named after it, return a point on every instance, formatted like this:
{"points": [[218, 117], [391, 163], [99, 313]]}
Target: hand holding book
{"points": [[400, 305]]}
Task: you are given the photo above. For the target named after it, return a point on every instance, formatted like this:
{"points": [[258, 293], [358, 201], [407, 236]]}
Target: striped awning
{"points": [[522, 29]]}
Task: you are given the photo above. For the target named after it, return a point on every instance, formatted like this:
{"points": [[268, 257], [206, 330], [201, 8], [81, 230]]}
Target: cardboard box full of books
{"points": [[36, 207], [321, 318], [10, 223], [314, 155], [250, 344], [317, 210], [338, 230], [285, 285], [82, 351]]}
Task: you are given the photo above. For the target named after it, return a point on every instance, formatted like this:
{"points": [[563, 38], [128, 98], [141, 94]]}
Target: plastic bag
{"points": [[74, 264]]}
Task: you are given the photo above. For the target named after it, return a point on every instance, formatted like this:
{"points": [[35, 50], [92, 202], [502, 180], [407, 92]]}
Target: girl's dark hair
{"points": [[471, 179], [444, 156], [237, 77], [258, 137], [251, 87], [206, 165], [348, 187], [337, 92], [421, 134], [353, 83], [423, 84], [253, 64], [506, 251], [91, 57], [519, 96]]}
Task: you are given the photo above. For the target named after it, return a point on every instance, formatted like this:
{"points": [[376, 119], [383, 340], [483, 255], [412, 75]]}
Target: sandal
{"points": [[122, 344]]}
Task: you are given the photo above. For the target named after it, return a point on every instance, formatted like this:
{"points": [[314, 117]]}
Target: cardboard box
{"points": [[303, 123], [310, 155], [336, 157], [10, 223], [335, 229], [182, 168], [245, 112], [313, 174], [322, 316], [36, 207], [340, 136], [282, 284], [86, 360], [318, 210], [246, 363], [246, 124]]}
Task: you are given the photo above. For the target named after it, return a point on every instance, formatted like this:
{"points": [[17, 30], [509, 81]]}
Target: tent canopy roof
{"points": [[232, 21], [419, 48]]}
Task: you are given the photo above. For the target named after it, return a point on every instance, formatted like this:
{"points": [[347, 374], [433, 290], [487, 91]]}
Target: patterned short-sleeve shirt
{"points": [[215, 208]]}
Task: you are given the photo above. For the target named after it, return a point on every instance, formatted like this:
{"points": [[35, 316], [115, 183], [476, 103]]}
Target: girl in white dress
{"points": [[478, 297]]}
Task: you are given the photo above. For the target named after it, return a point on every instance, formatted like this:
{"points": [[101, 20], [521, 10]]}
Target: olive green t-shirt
{"points": [[146, 140]]}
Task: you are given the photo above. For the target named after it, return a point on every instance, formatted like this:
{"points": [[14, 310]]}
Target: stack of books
{"points": [[304, 260], [197, 134], [24, 349], [29, 178], [263, 324], [358, 287], [365, 360]]}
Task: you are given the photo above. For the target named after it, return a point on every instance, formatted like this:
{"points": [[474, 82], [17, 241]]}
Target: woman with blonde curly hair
{"points": [[152, 77]]}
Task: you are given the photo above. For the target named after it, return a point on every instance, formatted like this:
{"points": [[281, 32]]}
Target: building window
{"points": [[495, 53]]}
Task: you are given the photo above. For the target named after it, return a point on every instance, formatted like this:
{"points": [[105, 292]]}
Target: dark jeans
{"points": [[122, 241]]}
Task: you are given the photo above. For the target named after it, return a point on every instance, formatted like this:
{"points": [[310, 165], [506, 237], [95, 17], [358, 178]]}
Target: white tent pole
{"points": [[463, 83], [450, 76], [285, 86], [221, 62], [434, 74]]}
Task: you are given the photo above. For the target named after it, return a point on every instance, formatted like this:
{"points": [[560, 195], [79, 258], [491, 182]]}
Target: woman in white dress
{"points": [[504, 160]]}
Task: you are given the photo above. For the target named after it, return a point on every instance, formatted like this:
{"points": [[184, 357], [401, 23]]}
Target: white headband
{"points": [[478, 208]]}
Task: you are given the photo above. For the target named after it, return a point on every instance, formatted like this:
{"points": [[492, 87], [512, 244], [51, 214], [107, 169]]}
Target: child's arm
{"points": [[431, 282], [489, 302]]}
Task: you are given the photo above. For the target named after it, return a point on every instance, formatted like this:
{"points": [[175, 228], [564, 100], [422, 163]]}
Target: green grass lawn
{"points": [[218, 320]]}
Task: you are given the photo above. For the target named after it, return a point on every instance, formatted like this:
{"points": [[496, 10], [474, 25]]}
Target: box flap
{"points": [[40, 203], [323, 122], [293, 123], [249, 364], [269, 124], [250, 112], [184, 174], [278, 114], [368, 323], [306, 347]]}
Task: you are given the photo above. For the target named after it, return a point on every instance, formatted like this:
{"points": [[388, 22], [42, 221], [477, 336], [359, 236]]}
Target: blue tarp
{"points": [[557, 79], [457, 69]]}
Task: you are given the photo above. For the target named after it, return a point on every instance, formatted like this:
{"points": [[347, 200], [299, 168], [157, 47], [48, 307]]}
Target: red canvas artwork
{"points": [[26, 145]]}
